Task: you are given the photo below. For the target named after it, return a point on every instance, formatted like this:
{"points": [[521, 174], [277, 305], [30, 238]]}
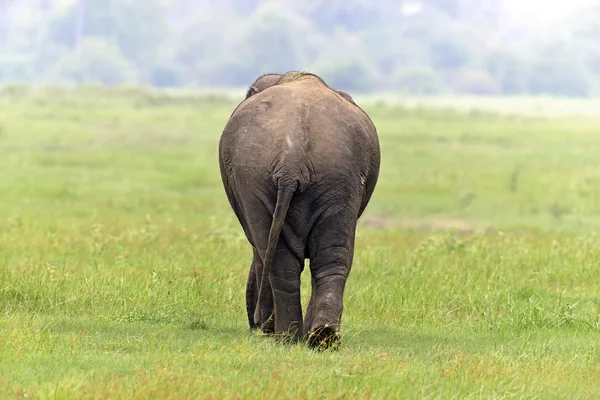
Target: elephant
{"points": [[299, 162], [268, 80]]}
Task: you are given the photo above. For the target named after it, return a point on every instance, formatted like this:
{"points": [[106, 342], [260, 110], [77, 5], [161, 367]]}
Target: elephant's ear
{"points": [[251, 92], [263, 83], [346, 96]]}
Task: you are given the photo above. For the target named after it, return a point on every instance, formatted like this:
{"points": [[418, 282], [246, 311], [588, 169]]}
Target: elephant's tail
{"points": [[284, 198]]}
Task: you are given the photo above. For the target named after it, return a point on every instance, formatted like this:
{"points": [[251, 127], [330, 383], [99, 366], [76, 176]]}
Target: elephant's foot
{"points": [[325, 337], [268, 327], [289, 336]]}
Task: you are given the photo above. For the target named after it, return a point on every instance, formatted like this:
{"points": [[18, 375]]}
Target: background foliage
{"points": [[415, 47]]}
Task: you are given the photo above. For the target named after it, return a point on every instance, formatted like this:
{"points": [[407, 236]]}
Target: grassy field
{"points": [[122, 268]]}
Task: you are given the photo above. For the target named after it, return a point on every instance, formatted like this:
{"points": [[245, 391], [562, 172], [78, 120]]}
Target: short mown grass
{"points": [[122, 268]]}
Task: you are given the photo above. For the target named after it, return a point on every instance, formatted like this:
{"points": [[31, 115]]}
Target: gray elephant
{"points": [[299, 162], [269, 80]]}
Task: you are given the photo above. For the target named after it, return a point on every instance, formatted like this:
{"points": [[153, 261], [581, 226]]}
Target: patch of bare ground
{"points": [[432, 223]]}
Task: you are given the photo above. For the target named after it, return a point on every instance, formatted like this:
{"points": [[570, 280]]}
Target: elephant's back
{"points": [[301, 105], [301, 122]]}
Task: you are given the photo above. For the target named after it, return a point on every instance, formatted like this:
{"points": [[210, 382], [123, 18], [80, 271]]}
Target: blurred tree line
{"points": [[409, 46]]}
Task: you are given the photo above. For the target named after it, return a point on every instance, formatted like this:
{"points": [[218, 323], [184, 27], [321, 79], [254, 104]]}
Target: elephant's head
{"points": [[262, 83], [266, 81]]}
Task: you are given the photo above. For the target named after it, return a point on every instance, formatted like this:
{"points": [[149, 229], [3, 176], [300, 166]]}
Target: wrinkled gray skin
{"points": [[299, 162]]}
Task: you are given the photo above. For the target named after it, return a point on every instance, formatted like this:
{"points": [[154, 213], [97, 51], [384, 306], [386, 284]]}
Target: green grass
{"points": [[122, 268]]}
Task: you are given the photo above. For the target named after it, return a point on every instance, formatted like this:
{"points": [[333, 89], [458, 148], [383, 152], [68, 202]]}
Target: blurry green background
{"points": [[486, 47]]}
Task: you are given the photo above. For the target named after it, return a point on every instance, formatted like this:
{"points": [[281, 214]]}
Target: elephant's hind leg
{"points": [[251, 295], [285, 283], [252, 287], [330, 266]]}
